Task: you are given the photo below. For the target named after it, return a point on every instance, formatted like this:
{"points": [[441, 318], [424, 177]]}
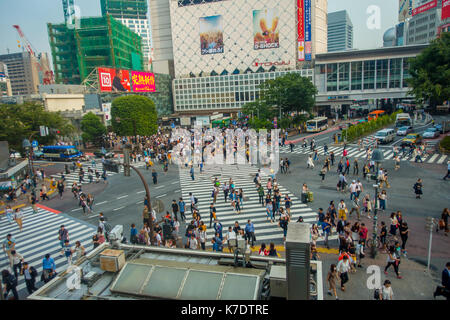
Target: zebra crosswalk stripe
{"points": [[251, 209], [40, 236], [354, 152]]}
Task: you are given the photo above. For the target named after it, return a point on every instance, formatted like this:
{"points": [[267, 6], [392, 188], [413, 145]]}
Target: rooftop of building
{"points": [[408, 50]]}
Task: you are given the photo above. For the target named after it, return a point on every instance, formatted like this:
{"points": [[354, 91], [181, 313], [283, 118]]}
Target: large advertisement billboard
{"points": [[211, 34], [427, 6], [308, 44], [300, 31], [119, 80], [143, 81], [405, 9], [114, 80], [265, 32], [445, 9]]}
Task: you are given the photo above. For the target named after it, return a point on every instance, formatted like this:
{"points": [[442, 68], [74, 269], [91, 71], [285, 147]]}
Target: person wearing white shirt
{"points": [[386, 292], [353, 186], [343, 268], [193, 243]]}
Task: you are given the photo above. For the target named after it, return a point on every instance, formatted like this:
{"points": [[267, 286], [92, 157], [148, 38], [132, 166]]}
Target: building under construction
{"points": [[97, 41]]}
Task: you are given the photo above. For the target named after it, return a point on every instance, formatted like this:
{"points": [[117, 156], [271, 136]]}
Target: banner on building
{"points": [[445, 9], [114, 80], [143, 81], [211, 34], [427, 6], [265, 29], [405, 8], [308, 44], [300, 31]]}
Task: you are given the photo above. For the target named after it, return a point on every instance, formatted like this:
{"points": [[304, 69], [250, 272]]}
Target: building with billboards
{"points": [[379, 75], [134, 15], [98, 41], [233, 46]]}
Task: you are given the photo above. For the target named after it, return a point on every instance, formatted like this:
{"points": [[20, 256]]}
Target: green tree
{"points": [[18, 122], [430, 72], [135, 112], [92, 128], [291, 92], [258, 109]]}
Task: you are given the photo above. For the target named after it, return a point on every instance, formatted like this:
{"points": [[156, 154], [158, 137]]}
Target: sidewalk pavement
{"points": [[416, 284]]}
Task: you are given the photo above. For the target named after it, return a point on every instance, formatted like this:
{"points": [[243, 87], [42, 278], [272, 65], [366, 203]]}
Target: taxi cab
{"points": [[412, 138]]}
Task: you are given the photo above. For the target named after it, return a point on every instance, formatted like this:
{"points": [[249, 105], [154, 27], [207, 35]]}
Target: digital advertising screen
{"points": [[265, 31], [211, 34], [114, 80], [143, 81]]}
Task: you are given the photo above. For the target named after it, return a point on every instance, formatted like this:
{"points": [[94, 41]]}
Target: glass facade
{"points": [[344, 76], [223, 92], [369, 74], [395, 73], [362, 75], [356, 75], [332, 77], [382, 73]]}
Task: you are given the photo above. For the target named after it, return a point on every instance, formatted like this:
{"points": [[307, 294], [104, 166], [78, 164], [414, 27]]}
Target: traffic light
{"points": [[110, 165]]}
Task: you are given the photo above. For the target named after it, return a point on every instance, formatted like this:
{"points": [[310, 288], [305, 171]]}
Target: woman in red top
{"points": [[263, 250]]}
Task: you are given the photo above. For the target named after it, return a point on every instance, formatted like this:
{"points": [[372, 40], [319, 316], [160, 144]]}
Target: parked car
{"points": [[412, 138], [403, 131], [107, 154], [431, 133]]}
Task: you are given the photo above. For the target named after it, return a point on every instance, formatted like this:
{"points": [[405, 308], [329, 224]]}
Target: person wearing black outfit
{"points": [[175, 208], [10, 282], [418, 188], [29, 273], [444, 290], [212, 214]]}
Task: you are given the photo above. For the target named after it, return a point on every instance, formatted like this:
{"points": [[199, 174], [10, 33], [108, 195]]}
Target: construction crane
{"points": [[47, 74]]}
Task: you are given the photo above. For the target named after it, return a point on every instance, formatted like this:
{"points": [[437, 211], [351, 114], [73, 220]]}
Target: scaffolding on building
{"points": [[99, 41], [125, 9]]}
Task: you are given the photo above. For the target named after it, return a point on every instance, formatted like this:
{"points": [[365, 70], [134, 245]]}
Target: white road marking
{"points": [[159, 187], [163, 195], [118, 208], [141, 191], [102, 202], [122, 197], [77, 209]]}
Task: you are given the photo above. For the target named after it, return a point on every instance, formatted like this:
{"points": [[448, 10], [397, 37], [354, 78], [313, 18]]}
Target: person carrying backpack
{"points": [[29, 273], [10, 283]]}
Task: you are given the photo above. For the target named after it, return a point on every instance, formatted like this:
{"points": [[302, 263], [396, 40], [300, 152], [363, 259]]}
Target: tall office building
{"points": [[340, 31], [162, 37], [134, 15], [23, 71]]}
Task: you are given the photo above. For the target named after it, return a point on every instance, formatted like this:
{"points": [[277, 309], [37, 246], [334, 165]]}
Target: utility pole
{"points": [[430, 224]]}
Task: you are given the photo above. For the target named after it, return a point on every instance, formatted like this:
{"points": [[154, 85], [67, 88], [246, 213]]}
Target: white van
{"points": [[385, 135]]}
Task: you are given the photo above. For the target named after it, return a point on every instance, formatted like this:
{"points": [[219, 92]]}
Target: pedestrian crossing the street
{"points": [[355, 152], [40, 236], [242, 176], [73, 176]]}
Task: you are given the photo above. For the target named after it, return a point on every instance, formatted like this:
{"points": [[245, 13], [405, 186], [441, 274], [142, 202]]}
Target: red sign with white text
{"points": [[445, 9], [300, 30], [427, 6]]}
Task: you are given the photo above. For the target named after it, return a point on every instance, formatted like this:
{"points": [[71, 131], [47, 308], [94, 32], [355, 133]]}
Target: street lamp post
{"points": [[378, 157], [28, 146]]}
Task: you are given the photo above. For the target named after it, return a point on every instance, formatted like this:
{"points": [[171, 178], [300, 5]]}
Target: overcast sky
{"points": [[33, 15]]}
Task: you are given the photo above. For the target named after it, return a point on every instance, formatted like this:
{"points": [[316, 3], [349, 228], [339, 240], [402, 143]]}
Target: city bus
{"points": [[65, 153], [317, 124], [375, 114]]}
